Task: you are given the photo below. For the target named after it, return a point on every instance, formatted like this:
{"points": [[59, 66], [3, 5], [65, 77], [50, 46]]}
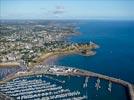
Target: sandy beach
{"points": [[9, 64]]}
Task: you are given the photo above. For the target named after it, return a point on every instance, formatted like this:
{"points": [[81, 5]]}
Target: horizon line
{"points": [[76, 19]]}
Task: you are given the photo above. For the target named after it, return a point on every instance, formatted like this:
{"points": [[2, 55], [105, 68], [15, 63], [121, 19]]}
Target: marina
{"points": [[38, 89], [55, 82]]}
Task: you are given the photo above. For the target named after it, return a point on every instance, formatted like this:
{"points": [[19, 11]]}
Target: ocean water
{"points": [[115, 57]]}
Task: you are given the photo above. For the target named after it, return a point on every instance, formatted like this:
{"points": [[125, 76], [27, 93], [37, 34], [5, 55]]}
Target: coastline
{"points": [[66, 51], [45, 56]]}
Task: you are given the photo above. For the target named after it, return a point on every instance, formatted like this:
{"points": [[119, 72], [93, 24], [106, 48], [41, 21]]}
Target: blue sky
{"points": [[67, 9]]}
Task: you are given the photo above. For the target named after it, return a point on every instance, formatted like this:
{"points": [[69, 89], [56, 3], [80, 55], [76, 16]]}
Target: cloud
{"points": [[58, 10], [42, 8], [55, 12], [60, 7]]}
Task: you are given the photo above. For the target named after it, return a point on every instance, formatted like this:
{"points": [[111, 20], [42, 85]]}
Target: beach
{"points": [[9, 64]]}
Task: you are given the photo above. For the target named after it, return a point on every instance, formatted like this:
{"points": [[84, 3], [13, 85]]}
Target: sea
{"points": [[115, 57]]}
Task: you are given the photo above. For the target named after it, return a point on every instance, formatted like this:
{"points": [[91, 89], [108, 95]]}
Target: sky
{"points": [[67, 9]]}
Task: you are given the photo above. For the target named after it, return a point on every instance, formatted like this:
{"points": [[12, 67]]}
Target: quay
{"points": [[69, 71]]}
